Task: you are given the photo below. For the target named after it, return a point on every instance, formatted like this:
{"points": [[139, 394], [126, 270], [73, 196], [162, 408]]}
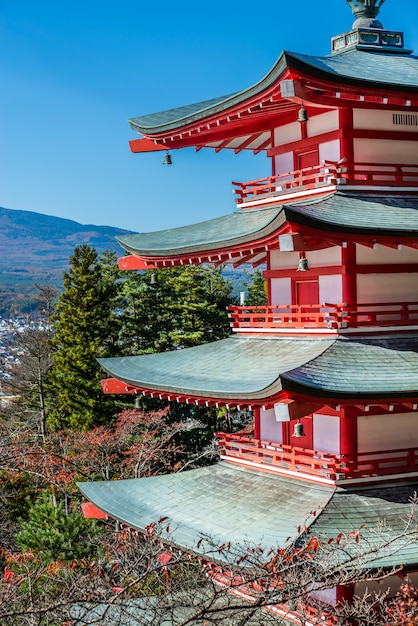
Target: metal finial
{"points": [[365, 12]]}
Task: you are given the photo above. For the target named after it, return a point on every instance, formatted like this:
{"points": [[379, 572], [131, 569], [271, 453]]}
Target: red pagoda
{"points": [[329, 367]]}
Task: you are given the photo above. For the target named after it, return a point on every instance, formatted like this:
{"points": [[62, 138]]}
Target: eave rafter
{"points": [[386, 405], [252, 117], [263, 112], [321, 93], [290, 237], [118, 387]]}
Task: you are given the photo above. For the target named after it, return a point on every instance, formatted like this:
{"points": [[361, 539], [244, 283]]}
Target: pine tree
{"points": [[257, 295], [198, 307], [173, 308], [54, 534], [84, 329]]}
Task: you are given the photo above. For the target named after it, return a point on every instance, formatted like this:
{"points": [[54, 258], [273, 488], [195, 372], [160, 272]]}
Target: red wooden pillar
{"points": [[348, 433], [268, 267], [349, 276], [346, 141], [345, 593], [257, 429]]}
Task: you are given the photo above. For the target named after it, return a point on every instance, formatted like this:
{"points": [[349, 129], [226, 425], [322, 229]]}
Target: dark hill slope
{"points": [[36, 247]]}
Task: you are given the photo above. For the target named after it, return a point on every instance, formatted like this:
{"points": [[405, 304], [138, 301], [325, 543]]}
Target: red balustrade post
{"points": [[348, 436], [349, 276]]}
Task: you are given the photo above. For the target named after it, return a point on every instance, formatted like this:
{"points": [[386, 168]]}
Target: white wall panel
{"points": [[383, 255], [270, 428], [324, 258], [385, 151], [331, 289], [326, 433], [284, 163], [329, 151], [376, 120], [374, 288], [323, 123], [287, 134], [283, 260], [281, 290], [387, 432]]}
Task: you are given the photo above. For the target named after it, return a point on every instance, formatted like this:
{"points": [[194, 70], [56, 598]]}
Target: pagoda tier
{"points": [[264, 509], [239, 507], [247, 236], [329, 366], [360, 79], [260, 371], [343, 388]]}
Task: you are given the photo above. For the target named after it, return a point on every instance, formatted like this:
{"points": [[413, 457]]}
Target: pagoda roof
{"points": [[363, 67], [236, 228], [254, 369], [359, 68], [229, 503], [356, 214]]}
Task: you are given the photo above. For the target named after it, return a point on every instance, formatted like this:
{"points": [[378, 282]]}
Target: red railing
{"points": [[316, 463], [324, 315], [358, 174]]}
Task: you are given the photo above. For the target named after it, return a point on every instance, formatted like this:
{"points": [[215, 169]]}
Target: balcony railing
{"points": [[285, 458], [325, 315], [328, 174]]}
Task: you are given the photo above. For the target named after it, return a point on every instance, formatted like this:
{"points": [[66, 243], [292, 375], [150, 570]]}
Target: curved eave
{"points": [[221, 502], [356, 68], [362, 68], [172, 119], [256, 230], [359, 214], [235, 369], [364, 368], [244, 507], [237, 229], [256, 369]]}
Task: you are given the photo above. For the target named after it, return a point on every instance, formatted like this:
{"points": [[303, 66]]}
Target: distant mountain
{"points": [[36, 247]]}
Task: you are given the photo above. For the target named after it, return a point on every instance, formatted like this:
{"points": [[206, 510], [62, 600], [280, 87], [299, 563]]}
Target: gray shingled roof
{"points": [[222, 502], [366, 366], [374, 68], [256, 367], [383, 510], [338, 212], [236, 229], [185, 112], [360, 213], [253, 366], [231, 503], [355, 66]]}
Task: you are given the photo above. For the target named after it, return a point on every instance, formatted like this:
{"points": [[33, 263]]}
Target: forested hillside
{"points": [[37, 248]]}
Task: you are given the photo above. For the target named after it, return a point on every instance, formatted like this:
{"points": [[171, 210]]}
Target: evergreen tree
{"points": [[257, 295], [84, 329], [172, 308], [53, 533], [200, 296]]}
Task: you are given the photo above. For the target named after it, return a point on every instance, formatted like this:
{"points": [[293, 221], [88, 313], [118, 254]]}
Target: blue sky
{"points": [[73, 72]]}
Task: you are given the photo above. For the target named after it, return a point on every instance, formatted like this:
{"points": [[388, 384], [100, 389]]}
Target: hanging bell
{"points": [[303, 264], [303, 114], [298, 430], [167, 159], [137, 403]]}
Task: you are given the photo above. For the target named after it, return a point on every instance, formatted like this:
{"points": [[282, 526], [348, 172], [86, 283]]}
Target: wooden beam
{"points": [[134, 262], [145, 145]]}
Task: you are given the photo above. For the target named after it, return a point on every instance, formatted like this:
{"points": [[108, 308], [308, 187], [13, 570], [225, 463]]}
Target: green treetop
{"points": [[84, 329]]}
